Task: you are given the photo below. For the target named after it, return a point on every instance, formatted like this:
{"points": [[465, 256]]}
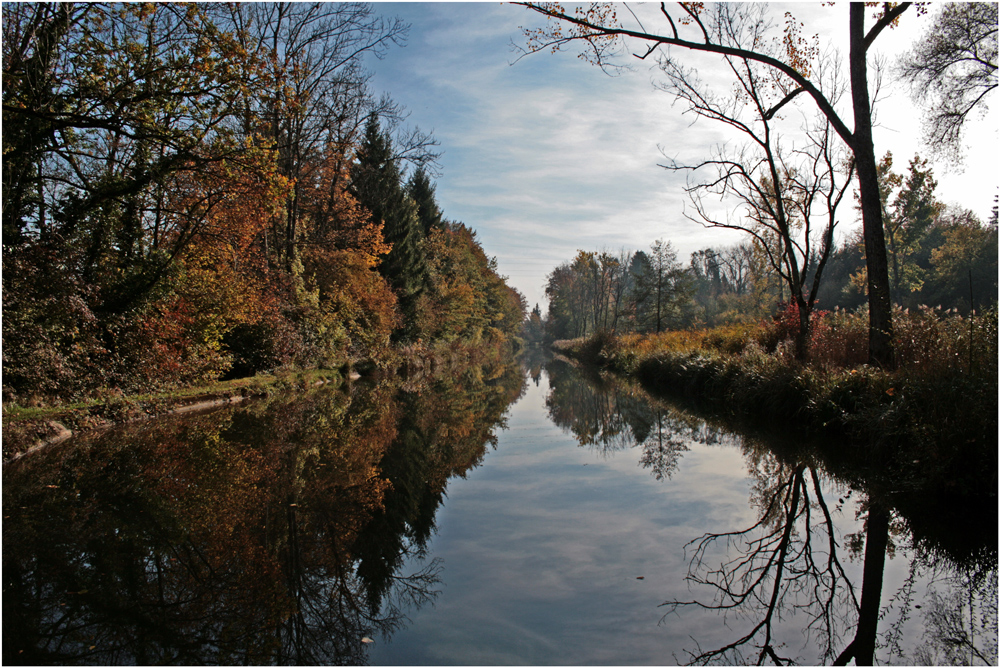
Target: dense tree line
{"points": [[191, 191], [639, 291]]}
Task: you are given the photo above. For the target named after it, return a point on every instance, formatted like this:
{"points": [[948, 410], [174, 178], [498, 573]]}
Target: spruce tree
{"points": [[376, 182], [421, 190], [641, 293]]}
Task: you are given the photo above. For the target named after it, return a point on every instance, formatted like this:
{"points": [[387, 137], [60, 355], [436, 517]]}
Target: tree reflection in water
{"points": [[610, 416], [272, 533], [787, 560], [961, 625], [792, 561]]}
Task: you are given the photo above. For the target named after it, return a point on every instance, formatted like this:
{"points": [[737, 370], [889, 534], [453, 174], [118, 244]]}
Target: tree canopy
{"points": [[952, 69]]}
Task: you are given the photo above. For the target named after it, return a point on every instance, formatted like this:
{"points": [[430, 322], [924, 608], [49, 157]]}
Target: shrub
{"points": [[734, 339], [52, 341], [928, 341], [265, 345], [839, 339], [166, 346], [601, 346]]}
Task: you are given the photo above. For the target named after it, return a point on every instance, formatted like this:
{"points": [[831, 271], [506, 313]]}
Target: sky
{"points": [[545, 155]]}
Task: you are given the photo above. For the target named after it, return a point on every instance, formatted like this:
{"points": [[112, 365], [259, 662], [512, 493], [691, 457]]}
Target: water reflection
{"points": [[272, 533], [792, 568], [609, 416], [296, 530]]}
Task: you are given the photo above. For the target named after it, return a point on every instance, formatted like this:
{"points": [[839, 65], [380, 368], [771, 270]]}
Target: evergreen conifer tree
{"points": [[641, 289], [421, 190], [376, 182]]}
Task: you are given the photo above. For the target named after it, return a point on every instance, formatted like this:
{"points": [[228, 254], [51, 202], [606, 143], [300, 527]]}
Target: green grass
{"points": [[239, 386]]}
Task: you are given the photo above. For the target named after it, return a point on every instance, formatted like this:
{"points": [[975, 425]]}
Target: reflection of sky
{"points": [[542, 546]]}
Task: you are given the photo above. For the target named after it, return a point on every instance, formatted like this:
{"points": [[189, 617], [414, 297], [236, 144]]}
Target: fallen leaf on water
{"points": [[641, 577]]}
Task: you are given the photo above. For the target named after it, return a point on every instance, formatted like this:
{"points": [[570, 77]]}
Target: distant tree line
{"points": [[939, 256], [192, 191]]}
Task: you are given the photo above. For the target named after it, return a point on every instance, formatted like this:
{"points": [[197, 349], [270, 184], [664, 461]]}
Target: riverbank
{"points": [[27, 428], [943, 517], [937, 411]]}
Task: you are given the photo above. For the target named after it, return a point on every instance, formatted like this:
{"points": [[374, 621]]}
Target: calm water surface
{"points": [[493, 515]]}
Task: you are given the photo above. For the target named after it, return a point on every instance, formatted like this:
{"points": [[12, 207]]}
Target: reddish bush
{"points": [[839, 340], [168, 348], [786, 325]]}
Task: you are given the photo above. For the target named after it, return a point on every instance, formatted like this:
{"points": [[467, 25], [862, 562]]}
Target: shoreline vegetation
{"points": [[937, 412], [29, 428]]}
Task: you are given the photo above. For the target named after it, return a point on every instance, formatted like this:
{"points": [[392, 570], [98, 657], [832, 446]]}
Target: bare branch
{"points": [[588, 31], [887, 19]]}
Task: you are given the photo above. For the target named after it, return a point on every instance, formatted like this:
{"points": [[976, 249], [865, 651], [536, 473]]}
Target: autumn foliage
{"points": [[178, 202]]}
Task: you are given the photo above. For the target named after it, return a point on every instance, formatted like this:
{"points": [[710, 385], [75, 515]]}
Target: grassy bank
{"points": [[939, 409]]}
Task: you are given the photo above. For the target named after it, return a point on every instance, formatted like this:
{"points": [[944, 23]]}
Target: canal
{"points": [[491, 515]]}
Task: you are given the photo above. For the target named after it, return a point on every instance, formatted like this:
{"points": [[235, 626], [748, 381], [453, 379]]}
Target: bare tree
{"points": [[721, 29], [736, 267], [789, 197], [952, 69], [619, 286]]}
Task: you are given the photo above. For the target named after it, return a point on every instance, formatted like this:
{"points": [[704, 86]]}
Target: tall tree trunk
{"points": [[802, 336], [880, 349]]}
